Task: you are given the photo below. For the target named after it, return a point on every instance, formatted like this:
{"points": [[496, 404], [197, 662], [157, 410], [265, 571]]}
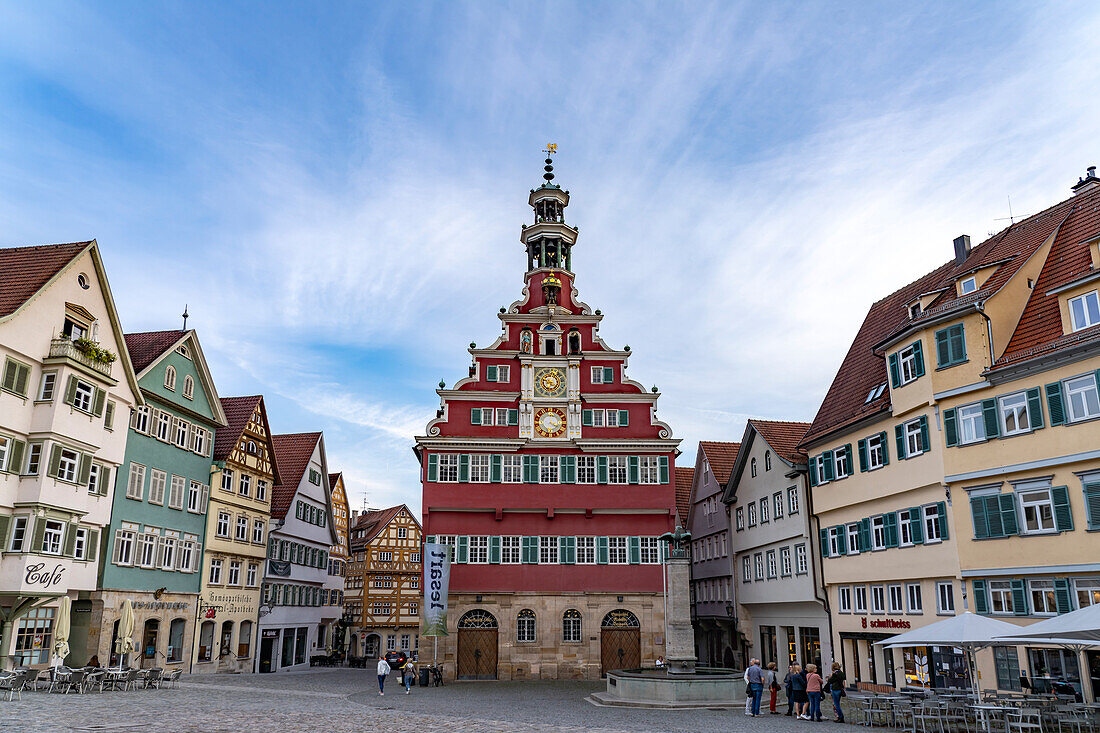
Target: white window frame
{"points": [[739, 518], [47, 386], [792, 500], [878, 599], [648, 472], [183, 434], [905, 529], [177, 486], [746, 569], [241, 532], [777, 505], [878, 532], [548, 550], [124, 547], [163, 426], [479, 468], [896, 598], [83, 396], [1081, 387], [875, 452], [549, 469], [34, 459], [166, 558], [158, 486], [223, 525], [914, 444], [1087, 591], [907, 365], [1088, 302], [650, 551], [68, 466], [233, 576], [764, 510], [216, 571], [250, 574], [945, 598], [510, 546], [448, 468], [616, 470], [844, 599], [512, 469], [785, 567], [772, 565], [1043, 600], [194, 497], [968, 285], [170, 378], [859, 599], [801, 564], [1014, 406], [147, 548], [835, 534], [971, 423], [617, 551], [1032, 501], [244, 485], [53, 537], [586, 469], [479, 550], [135, 482], [931, 516], [914, 600], [1000, 598], [758, 566], [141, 419]]}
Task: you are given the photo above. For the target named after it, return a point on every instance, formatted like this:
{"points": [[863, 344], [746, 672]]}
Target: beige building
{"points": [[236, 543], [953, 459], [383, 592]]}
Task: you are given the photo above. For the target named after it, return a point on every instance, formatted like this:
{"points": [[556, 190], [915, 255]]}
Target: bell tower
{"points": [[549, 241]]}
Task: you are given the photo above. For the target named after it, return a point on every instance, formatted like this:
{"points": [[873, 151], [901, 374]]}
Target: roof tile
{"points": [[783, 437], [684, 477], [25, 270], [146, 347], [292, 451], [721, 457]]}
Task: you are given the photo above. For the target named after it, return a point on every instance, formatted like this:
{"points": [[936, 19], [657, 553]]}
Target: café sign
{"points": [[885, 623]]}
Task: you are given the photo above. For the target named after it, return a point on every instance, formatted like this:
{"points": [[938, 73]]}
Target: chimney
{"points": [[962, 248], [354, 515], [1087, 183]]}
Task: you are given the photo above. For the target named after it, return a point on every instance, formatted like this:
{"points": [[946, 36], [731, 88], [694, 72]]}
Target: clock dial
{"points": [[550, 422], [550, 382]]}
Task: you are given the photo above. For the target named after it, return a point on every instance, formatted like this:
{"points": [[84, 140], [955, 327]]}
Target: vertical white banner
{"points": [[437, 577]]}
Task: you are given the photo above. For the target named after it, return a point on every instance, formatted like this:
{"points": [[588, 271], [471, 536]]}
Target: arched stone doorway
{"points": [[620, 641], [373, 644], [477, 646]]}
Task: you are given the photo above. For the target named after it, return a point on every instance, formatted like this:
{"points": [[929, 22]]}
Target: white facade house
{"points": [[783, 613], [298, 609], [65, 399]]}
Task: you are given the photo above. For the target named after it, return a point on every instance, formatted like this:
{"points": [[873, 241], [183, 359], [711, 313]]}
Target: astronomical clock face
{"points": [[550, 422], [549, 382]]}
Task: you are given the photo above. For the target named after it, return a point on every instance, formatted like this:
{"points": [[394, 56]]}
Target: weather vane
{"points": [[551, 148]]}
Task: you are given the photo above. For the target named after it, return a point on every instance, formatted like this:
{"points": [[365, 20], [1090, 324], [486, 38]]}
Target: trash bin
{"points": [[424, 677]]}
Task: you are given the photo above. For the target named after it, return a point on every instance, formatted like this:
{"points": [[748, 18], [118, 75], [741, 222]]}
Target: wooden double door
{"points": [[477, 654], [620, 648]]}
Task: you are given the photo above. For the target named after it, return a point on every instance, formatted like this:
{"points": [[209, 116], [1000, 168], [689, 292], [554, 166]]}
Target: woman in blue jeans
{"points": [[836, 689]]}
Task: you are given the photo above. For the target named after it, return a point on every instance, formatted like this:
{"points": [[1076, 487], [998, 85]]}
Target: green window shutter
{"points": [[601, 470], [586, 418], [1055, 404], [608, 375], [924, 438], [1009, 524], [109, 415], [1063, 516], [624, 418], [895, 373], [1019, 597], [1062, 595], [55, 460], [84, 469], [429, 540], [891, 527], [513, 417], [494, 549], [491, 373], [943, 350], [862, 447], [93, 544], [950, 428], [433, 467], [842, 539], [462, 548], [981, 521], [958, 343], [22, 374], [848, 454], [981, 602], [865, 534], [825, 543], [916, 525], [989, 415], [463, 467], [5, 521], [812, 466], [941, 517], [530, 469], [899, 436], [69, 548], [15, 459], [568, 469], [39, 533], [601, 551], [70, 390], [496, 468], [885, 449], [662, 469], [918, 353], [632, 469], [1035, 408], [827, 457], [475, 416], [634, 550], [10, 368], [98, 401], [569, 552], [1092, 505]]}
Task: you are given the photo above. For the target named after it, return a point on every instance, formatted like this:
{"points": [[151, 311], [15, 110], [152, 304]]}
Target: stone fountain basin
{"points": [[708, 687]]}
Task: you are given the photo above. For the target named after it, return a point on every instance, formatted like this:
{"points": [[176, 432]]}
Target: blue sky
{"points": [[336, 190]]}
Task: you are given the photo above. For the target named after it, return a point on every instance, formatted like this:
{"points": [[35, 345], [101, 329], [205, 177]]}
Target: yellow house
{"points": [[959, 438], [237, 519]]}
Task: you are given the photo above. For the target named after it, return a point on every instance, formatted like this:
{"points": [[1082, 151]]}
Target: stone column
{"points": [[680, 637]]}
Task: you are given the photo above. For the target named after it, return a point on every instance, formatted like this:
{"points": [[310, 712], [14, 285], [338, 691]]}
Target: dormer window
{"points": [[170, 378], [74, 330], [969, 285], [1084, 310], [914, 310]]}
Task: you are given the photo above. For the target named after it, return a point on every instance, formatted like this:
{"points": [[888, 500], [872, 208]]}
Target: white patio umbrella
{"points": [[125, 631], [1082, 625], [61, 631], [967, 631]]}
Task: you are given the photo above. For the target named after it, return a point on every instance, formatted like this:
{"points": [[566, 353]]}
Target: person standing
{"points": [[748, 692], [798, 691], [789, 690], [814, 683], [772, 681], [756, 685], [836, 689], [383, 670], [410, 675]]}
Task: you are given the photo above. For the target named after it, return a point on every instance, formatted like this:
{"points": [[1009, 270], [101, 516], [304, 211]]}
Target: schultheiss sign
{"points": [[885, 623]]}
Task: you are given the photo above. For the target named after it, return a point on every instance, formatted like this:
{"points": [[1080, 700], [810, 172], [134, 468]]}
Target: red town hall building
{"points": [[548, 473]]}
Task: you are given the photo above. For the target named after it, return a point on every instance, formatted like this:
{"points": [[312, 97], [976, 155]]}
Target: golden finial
{"points": [[551, 148]]}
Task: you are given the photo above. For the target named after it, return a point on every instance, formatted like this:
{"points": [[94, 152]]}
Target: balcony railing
{"points": [[66, 349]]}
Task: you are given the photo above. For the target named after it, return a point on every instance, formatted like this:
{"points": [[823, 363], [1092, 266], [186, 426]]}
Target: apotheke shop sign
{"points": [[885, 623]]}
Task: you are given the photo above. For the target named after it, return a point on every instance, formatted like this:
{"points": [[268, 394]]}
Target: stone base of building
{"points": [[164, 628], [616, 631]]}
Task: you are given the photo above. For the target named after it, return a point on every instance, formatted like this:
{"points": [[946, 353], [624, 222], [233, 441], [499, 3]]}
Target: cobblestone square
{"points": [[345, 700]]}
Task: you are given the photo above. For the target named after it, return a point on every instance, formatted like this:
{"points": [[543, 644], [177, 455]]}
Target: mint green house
{"points": [[152, 551]]}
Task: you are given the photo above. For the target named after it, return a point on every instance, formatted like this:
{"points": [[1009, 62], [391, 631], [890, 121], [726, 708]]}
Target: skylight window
{"points": [[875, 393], [969, 285]]}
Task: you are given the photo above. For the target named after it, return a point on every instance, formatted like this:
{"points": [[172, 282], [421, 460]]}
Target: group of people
{"points": [[408, 674], [804, 688]]}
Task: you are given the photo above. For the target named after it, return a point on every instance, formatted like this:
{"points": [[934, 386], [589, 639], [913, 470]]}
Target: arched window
{"points": [[620, 618], [188, 387], [226, 648], [477, 619], [754, 468], [574, 342], [525, 625], [244, 640], [170, 378], [767, 460], [206, 641], [175, 639], [571, 626]]}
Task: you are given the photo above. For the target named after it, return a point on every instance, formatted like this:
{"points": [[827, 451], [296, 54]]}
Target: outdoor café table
{"points": [[986, 712], [115, 676]]}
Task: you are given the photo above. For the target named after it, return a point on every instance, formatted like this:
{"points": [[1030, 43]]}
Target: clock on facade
{"points": [[549, 382], [550, 422]]}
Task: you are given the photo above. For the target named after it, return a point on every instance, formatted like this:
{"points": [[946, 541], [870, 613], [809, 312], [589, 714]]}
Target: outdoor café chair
{"points": [[928, 718], [75, 680], [13, 683], [152, 679], [59, 677], [172, 679], [93, 677], [1025, 720]]}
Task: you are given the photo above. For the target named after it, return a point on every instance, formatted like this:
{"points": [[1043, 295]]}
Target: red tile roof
{"points": [[293, 452], [373, 522], [24, 270], [146, 347], [238, 411], [721, 457], [684, 477], [783, 437], [864, 370]]}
